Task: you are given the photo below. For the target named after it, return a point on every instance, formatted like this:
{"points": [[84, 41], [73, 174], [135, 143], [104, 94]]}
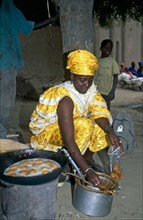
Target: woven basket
{"points": [[10, 145]]}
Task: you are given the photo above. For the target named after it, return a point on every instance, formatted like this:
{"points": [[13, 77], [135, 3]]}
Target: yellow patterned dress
{"points": [[87, 107]]}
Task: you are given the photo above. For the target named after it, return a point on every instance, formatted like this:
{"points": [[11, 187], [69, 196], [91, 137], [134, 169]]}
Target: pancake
{"points": [[32, 167]]}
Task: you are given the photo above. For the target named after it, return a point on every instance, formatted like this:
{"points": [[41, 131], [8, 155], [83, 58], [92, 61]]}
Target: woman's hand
{"points": [[115, 141], [92, 177]]}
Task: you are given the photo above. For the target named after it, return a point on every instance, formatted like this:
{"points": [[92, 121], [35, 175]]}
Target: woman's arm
{"points": [[114, 139], [65, 119]]}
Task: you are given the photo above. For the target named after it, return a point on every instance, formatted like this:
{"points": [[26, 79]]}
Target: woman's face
{"points": [[81, 83]]}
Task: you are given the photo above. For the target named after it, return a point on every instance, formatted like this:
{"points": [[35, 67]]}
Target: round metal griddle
{"points": [[7, 159]]}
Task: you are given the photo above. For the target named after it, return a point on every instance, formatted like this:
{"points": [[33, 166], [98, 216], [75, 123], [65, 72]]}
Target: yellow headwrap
{"points": [[82, 62]]}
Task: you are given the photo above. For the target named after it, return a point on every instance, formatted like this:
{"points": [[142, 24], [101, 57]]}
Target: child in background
{"points": [[106, 77]]}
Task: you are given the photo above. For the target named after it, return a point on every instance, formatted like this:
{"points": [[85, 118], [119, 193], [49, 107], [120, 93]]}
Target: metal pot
{"points": [[93, 201], [7, 159]]}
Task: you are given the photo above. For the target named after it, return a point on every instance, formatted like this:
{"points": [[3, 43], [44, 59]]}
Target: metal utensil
{"points": [[72, 163]]}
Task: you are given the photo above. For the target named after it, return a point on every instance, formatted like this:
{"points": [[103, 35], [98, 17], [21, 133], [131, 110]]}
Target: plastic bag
{"points": [[115, 160]]}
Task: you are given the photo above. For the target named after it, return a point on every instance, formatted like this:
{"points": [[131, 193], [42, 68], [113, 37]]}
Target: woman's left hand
{"points": [[115, 141]]}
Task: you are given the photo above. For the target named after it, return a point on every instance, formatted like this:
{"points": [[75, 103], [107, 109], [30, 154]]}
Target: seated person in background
{"points": [[73, 114], [124, 69], [132, 68], [140, 69]]}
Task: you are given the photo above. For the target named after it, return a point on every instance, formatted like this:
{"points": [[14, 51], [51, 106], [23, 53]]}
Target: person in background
{"points": [[106, 77], [74, 115], [12, 22], [140, 69], [125, 70], [132, 68]]}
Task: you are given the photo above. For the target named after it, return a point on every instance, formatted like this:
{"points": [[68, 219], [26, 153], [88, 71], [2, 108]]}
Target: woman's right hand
{"points": [[92, 177]]}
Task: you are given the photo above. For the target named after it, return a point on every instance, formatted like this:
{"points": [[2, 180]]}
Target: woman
{"points": [[73, 114]]}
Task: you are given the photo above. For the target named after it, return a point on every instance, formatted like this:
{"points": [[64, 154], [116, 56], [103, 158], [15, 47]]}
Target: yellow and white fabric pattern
{"points": [[87, 107], [82, 62]]}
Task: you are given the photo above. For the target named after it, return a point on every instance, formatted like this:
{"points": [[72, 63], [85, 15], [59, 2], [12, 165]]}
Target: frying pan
{"points": [[9, 158]]}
